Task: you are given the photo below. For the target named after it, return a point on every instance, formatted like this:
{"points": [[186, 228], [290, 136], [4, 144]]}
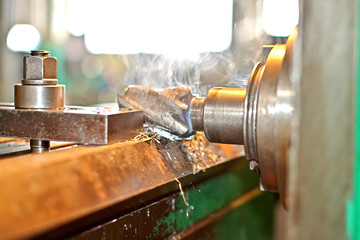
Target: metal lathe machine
{"points": [[272, 160]]}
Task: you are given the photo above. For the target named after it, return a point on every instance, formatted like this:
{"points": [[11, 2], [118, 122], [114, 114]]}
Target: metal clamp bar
{"points": [[71, 124]]}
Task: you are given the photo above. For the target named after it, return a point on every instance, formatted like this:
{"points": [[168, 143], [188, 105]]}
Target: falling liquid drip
{"points": [[189, 209], [173, 204], [183, 196]]}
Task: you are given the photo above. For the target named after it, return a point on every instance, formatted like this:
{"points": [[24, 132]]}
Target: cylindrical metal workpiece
{"points": [[197, 114], [39, 96], [223, 114], [39, 146]]}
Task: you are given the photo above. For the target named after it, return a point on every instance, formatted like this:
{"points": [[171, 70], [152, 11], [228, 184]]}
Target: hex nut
{"points": [[38, 67]]}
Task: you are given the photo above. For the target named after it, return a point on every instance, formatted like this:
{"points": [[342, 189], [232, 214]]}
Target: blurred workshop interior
{"points": [[154, 186], [98, 42]]}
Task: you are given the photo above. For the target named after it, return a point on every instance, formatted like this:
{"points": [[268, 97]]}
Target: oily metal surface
{"points": [[71, 124], [42, 191], [223, 115]]}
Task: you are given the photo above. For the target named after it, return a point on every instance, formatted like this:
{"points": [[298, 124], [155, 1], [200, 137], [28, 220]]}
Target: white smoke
{"points": [[199, 73]]}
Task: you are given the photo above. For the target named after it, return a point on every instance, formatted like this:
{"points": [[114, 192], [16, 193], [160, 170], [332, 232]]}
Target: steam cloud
{"points": [[199, 75]]}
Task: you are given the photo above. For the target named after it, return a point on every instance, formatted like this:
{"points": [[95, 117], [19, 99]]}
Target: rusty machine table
{"points": [[77, 191]]}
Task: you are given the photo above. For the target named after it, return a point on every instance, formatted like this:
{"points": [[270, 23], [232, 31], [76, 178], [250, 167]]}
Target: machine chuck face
{"points": [[270, 131], [259, 117]]}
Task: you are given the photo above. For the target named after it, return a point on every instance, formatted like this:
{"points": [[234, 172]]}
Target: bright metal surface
{"points": [[197, 113], [285, 113], [39, 96], [71, 124], [219, 115], [167, 109], [250, 116], [39, 87], [222, 115], [268, 112], [266, 118], [39, 146]]}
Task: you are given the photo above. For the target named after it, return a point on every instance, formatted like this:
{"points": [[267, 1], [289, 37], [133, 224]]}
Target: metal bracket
{"points": [[39, 112], [91, 125]]}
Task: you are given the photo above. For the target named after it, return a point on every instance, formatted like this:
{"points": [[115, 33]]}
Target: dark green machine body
{"points": [[224, 204]]}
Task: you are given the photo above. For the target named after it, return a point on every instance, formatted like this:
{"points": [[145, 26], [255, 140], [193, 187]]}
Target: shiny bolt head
{"points": [[41, 66]]}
